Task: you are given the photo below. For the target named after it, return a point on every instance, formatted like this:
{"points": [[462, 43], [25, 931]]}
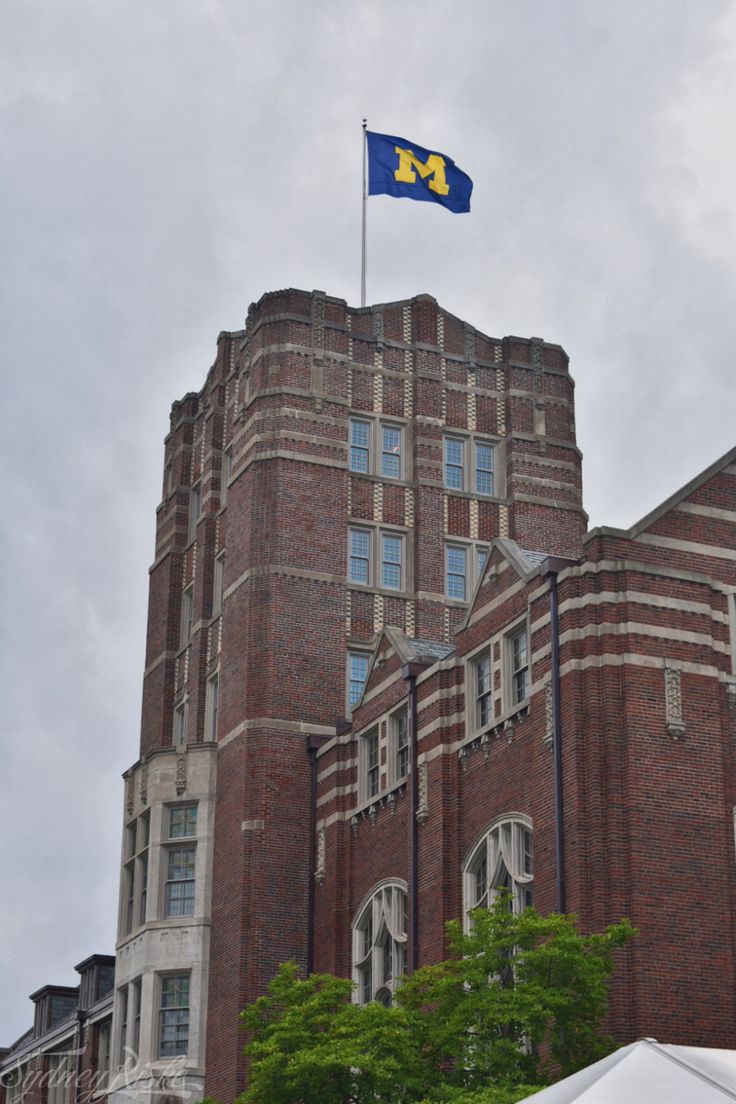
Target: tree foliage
{"points": [[518, 1002]]}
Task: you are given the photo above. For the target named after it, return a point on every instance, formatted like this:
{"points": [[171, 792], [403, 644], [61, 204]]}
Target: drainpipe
{"points": [[552, 568], [81, 1017], [314, 743], [410, 672]]}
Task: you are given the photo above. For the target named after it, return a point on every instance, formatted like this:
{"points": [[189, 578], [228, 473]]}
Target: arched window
{"points": [[379, 944], [501, 859]]}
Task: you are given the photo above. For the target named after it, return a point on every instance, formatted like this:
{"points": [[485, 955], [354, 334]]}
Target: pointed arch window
{"points": [[501, 859], [379, 944]]}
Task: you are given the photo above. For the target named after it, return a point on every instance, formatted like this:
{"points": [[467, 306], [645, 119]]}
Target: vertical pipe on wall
{"points": [[557, 740], [410, 672]]}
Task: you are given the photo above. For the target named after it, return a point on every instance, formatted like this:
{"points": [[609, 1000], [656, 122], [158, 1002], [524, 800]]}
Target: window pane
{"points": [[391, 452], [456, 573], [358, 675], [182, 821], [359, 556], [359, 444], [484, 469], [454, 462], [391, 570]]}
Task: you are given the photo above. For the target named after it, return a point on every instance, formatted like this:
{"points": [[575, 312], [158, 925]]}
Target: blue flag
{"points": [[405, 170]]}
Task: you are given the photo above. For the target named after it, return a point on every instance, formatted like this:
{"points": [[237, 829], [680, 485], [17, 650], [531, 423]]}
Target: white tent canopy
{"points": [[648, 1072]]}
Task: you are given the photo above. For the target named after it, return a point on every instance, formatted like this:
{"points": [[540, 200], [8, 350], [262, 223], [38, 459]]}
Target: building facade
{"points": [[388, 671]]}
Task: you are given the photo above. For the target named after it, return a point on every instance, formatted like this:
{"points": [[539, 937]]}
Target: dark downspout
{"points": [[81, 1017], [313, 745], [557, 739], [410, 672]]}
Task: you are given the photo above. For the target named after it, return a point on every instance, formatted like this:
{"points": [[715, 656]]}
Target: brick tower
{"points": [[342, 469]]}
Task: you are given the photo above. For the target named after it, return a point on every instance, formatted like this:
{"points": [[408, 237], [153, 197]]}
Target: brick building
{"points": [[388, 671]]}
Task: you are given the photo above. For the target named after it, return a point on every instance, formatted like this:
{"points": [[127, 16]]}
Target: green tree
{"points": [[310, 1044], [519, 1002]]}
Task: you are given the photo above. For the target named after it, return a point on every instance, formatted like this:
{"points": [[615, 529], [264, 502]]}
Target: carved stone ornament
{"points": [[673, 702], [423, 797], [319, 871], [548, 714], [181, 773], [144, 784], [129, 795]]}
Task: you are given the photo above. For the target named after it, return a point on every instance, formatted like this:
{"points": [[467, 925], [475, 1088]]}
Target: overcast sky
{"points": [[165, 162]]}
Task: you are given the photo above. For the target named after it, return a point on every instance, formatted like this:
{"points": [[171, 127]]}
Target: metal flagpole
{"points": [[365, 196]]}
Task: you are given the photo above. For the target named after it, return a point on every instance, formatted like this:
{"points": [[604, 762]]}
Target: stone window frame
{"points": [[399, 752], [226, 471], [369, 764], [195, 510], [481, 695], [161, 984], [134, 882], [186, 623], [379, 942], [218, 584], [374, 446], [472, 551], [469, 467], [501, 856], [180, 723], [364, 655], [186, 842], [377, 535], [511, 670], [212, 705]]}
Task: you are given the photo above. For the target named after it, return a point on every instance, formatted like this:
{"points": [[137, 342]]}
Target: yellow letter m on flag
{"points": [[434, 166]]}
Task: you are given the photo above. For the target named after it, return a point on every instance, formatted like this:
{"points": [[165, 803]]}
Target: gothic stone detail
{"points": [[673, 702]]}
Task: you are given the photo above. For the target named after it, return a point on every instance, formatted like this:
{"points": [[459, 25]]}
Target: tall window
{"points": [[123, 1022], [483, 468], [195, 508], [225, 474], [360, 556], [456, 573], [483, 690], [391, 452], [212, 707], [218, 585], [364, 565], [357, 675], [502, 859], [379, 945], [181, 718], [469, 465], [517, 653], [135, 990], [391, 549], [180, 861], [180, 881], [454, 463], [135, 873], [103, 1052], [174, 1016], [144, 831], [375, 448], [187, 616], [360, 437], [400, 741], [370, 764]]}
